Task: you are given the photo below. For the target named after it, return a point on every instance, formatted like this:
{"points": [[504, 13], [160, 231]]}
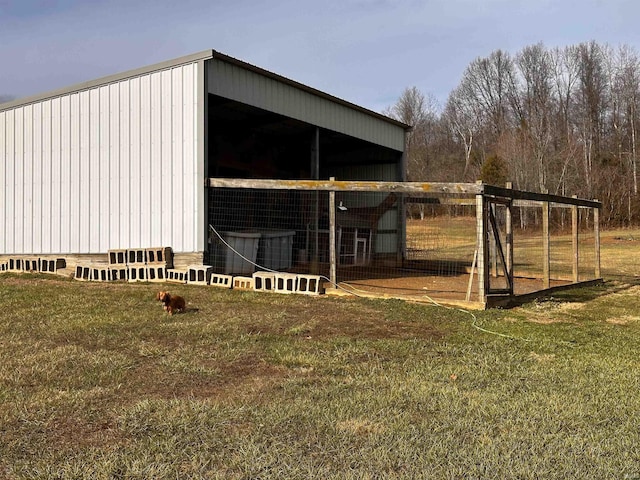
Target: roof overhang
{"points": [[195, 57]]}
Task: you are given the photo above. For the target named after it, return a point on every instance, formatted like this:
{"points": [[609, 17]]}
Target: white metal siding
{"points": [[19, 179], [9, 190], [231, 81], [3, 180], [114, 166]]}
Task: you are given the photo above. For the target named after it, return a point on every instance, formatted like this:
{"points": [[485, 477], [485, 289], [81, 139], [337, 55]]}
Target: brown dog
{"points": [[160, 297], [171, 303]]}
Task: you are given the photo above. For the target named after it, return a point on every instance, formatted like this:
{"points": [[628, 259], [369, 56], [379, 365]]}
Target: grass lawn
{"points": [[96, 381]]}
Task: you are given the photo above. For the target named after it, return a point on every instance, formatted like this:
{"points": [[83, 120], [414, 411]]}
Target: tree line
{"points": [[562, 120]]}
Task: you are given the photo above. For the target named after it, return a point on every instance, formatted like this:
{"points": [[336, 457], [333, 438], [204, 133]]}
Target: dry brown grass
{"points": [[101, 383]]}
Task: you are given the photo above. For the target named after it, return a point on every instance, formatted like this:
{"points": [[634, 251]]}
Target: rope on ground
{"points": [[474, 323]]}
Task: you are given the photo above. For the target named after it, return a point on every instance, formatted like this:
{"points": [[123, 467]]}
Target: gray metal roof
{"points": [[108, 79], [203, 55]]}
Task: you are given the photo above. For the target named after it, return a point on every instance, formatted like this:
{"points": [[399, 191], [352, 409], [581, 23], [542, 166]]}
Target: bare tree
{"points": [[482, 108], [591, 106], [625, 107], [535, 68], [566, 145], [490, 83], [421, 112], [463, 120], [563, 120]]}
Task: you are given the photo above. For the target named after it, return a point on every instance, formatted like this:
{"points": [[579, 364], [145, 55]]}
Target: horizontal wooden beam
{"points": [[434, 189], [468, 202], [539, 197], [538, 204], [355, 186]]}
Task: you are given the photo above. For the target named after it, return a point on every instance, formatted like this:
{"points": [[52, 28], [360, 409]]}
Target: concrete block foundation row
{"points": [[155, 265], [32, 264], [278, 282], [282, 282]]}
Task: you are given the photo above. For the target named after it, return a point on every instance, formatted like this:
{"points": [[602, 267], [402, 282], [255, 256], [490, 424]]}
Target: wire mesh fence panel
{"points": [[253, 229], [385, 243], [586, 246], [440, 245], [410, 243], [586, 256], [498, 261], [561, 255], [528, 249]]}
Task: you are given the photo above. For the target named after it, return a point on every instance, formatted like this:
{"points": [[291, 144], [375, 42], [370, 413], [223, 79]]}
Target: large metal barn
{"points": [[244, 175], [121, 162]]}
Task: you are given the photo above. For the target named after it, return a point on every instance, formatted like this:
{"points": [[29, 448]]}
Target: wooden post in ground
{"points": [[481, 241], [596, 233], [574, 235], [473, 269], [509, 240], [332, 237], [546, 251], [315, 173]]}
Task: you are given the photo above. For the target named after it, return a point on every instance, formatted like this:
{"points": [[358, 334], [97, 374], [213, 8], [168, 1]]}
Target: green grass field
{"points": [[96, 381]]}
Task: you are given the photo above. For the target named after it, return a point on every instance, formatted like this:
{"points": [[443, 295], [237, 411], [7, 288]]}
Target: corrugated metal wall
{"points": [[231, 81], [386, 240], [110, 167]]}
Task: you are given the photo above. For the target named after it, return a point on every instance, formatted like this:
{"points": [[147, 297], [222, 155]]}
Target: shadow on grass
{"points": [[585, 294]]}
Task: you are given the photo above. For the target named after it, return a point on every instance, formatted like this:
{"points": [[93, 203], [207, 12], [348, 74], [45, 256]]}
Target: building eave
{"points": [[195, 57]]}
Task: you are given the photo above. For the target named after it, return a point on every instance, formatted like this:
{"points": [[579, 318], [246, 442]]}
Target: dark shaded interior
{"points": [[248, 142]]}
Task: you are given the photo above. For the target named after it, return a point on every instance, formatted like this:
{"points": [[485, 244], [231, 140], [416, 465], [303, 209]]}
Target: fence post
{"points": [[574, 234], [509, 239], [481, 242], [332, 236], [315, 174], [546, 251], [596, 233]]}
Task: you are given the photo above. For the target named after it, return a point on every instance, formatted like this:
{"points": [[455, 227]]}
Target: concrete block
{"points": [[309, 284], [47, 266], [243, 283], [199, 274], [160, 255], [156, 273], [136, 256], [119, 273], [118, 257], [16, 264], [286, 283], [100, 273], [4, 266], [82, 273], [220, 280], [52, 265], [176, 276], [30, 264], [264, 281], [136, 273]]}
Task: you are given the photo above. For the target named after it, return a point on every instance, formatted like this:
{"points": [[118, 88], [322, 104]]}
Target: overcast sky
{"points": [[365, 51]]}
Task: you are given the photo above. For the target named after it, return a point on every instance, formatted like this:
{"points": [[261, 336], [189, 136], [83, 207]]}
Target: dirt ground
{"points": [[424, 285], [434, 288]]}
